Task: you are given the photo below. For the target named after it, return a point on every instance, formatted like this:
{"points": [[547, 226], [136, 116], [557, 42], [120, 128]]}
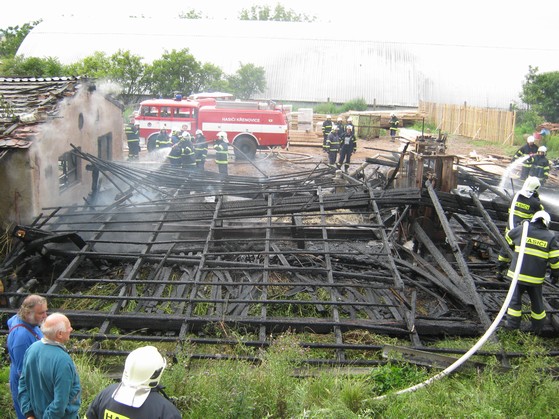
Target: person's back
{"points": [[138, 395], [526, 202], [49, 386], [189, 157], [175, 155], [156, 406], [540, 244]]}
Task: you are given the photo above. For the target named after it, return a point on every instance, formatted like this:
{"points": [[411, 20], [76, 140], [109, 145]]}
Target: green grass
{"points": [[239, 389]]}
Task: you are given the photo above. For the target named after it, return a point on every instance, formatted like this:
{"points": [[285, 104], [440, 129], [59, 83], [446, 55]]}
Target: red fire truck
{"points": [[250, 126]]}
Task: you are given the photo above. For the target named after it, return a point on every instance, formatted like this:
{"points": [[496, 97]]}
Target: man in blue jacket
{"points": [[49, 386], [24, 330]]}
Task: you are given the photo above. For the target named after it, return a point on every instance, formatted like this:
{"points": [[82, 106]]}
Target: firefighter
{"points": [[222, 152], [139, 394], [394, 122], [132, 132], [333, 145], [540, 165], [188, 154], [524, 205], [175, 137], [348, 147], [350, 123], [175, 155], [340, 124], [526, 202], [526, 151], [200, 149], [163, 139], [326, 129], [541, 250]]}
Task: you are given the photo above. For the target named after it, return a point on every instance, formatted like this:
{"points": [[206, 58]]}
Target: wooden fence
{"points": [[478, 123]]}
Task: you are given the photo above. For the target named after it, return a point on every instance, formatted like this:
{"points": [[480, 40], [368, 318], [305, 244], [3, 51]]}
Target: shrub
{"points": [[354, 105]]}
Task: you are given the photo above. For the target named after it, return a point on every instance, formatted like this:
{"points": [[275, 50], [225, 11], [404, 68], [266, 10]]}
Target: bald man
{"points": [[49, 385], [24, 330]]}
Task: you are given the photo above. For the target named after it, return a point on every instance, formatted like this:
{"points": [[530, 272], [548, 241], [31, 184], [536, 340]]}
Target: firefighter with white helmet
{"points": [[332, 145], [340, 124], [221, 148], [525, 203], [350, 124], [525, 152], [347, 148], [138, 395], [188, 153], [541, 252], [200, 149], [540, 165]]}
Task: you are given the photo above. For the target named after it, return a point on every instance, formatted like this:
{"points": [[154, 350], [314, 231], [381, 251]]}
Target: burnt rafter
{"points": [[177, 255]]}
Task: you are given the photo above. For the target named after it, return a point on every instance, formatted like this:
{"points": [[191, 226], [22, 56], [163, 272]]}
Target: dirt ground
{"points": [[301, 158]]}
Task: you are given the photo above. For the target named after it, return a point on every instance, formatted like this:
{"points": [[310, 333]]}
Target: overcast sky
{"points": [[407, 15]]}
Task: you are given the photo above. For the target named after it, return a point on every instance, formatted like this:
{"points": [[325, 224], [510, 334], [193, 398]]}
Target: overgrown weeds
{"points": [[270, 388]]}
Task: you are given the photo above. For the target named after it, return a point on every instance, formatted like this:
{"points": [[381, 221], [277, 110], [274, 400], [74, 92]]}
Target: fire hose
{"points": [[487, 333]]}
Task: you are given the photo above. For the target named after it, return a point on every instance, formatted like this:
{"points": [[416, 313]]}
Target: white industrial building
{"points": [[317, 62]]}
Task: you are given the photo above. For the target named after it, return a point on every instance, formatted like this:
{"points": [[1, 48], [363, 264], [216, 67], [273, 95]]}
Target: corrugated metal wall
{"points": [[314, 62]]}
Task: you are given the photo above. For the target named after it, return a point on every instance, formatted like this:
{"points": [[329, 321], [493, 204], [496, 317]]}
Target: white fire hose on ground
{"points": [[487, 333]]}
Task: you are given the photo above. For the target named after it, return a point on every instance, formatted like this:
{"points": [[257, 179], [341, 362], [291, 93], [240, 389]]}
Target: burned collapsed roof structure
{"points": [[182, 256]]}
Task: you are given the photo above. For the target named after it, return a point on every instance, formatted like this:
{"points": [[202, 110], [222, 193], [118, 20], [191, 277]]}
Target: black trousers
{"points": [[514, 312]]}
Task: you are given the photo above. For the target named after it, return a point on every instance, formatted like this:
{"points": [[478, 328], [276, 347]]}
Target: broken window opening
{"points": [[68, 170]]}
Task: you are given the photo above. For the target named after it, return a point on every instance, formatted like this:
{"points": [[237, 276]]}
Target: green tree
{"points": [[541, 93], [279, 13], [97, 65], [191, 14], [20, 66], [248, 80], [211, 79], [129, 72], [12, 38], [175, 71]]}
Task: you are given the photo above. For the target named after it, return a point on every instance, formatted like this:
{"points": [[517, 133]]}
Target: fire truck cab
{"points": [[250, 126]]}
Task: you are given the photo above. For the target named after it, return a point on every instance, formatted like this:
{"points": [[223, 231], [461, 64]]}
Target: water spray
{"points": [[487, 333], [510, 169]]}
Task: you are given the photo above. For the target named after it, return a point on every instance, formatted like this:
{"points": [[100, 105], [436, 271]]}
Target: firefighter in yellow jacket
{"points": [[221, 148], [541, 250]]}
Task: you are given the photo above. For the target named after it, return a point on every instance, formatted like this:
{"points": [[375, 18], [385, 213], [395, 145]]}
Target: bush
{"points": [[526, 123], [326, 108], [354, 105], [332, 109], [552, 144]]}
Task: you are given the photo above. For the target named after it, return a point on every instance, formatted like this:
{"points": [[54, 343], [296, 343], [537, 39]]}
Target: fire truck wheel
{"points": [[151, 143], [245, 147]]}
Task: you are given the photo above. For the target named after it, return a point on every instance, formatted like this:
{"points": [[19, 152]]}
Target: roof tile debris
{"points": [[25, 103]]}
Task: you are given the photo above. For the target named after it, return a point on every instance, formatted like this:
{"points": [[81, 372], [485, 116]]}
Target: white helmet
{"points": [[544, 216], [339, 119], [142, 372], [328, 116], [530, 139], [542, 149], [531, 185], [186, 135], [199, 132], [349, 119], [222, 135]]}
